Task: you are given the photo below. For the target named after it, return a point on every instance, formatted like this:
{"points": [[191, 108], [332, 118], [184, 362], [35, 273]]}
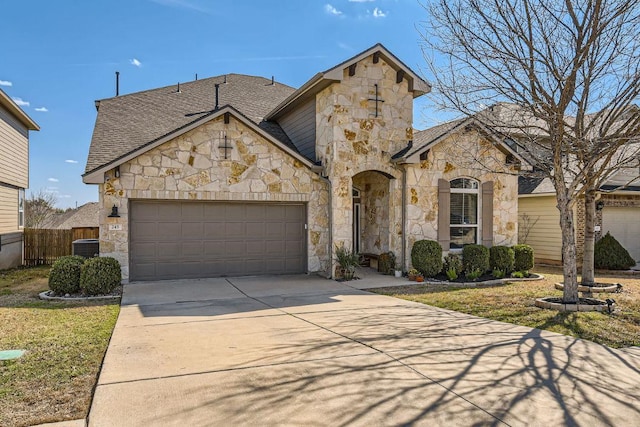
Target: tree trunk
{"points": [[569, 269], [588, 275]]}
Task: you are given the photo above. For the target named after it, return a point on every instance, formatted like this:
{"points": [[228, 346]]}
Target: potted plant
{"points": [[348, 260], [413, 273], [398, 270], [419, 278]]}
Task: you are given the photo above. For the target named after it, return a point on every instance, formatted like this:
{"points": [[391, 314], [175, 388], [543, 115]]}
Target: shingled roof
{"points": [[128, 122]]}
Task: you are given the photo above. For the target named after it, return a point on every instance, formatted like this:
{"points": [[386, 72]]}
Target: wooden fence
{"points": [[86, 233], [42, 246]]}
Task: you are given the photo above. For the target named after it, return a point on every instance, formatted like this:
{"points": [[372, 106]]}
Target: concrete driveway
{"points": [[308, 351]]}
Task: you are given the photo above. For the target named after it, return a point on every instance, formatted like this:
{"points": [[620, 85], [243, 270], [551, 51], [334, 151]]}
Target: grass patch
{"points": [[514, 303], [65, 343]]}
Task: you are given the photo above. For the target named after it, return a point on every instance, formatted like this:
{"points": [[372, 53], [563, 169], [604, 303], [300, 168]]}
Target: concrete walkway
{"points": [[308, 351]]}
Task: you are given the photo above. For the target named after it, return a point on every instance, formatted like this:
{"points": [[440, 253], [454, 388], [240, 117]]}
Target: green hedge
{"points": [[502, 258], [426, 257], [523, 257], [65, 275], [475, 258], [611, 255], [100, 276]]}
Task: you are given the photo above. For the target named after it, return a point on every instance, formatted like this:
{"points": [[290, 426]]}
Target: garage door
{"points": [[171, 240], [624, 225]]}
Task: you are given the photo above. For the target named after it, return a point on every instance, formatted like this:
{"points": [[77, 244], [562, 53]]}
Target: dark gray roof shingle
{"points": [[128, 122]]}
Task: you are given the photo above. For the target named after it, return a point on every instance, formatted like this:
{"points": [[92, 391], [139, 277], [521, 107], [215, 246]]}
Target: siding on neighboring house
{"points": [[300, 126], [544, 236], [14, 151], [8, 209]]}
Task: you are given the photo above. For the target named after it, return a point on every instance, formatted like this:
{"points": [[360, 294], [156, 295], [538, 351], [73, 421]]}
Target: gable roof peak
{"points": [[321, 80]]}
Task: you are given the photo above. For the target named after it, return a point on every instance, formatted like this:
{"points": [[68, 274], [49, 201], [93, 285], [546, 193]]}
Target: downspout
{"points": [[404, 217]]}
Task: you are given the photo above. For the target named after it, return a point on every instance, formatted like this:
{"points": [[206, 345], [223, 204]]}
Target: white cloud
{"points": [[377, 13], [42, 109], [332, 10], [21, 102], [53, 180], [71, 161], [5, 83], [135, 62], [182, 4]]}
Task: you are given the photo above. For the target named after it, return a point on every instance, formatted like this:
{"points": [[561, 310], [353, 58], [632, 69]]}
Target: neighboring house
{"points": [[617, 212], [241, 175], [15, 125], [83, 220]]}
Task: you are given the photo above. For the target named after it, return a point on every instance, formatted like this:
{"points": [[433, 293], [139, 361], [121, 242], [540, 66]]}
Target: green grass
{"points": [[514, 303], [65, 344]]}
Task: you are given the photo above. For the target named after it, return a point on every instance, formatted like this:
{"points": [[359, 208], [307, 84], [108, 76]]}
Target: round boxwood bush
{"points": [[426, 257], [502, 258], [64, 277], [475, 259], [523, 257], [100, 276], [611, 255]]}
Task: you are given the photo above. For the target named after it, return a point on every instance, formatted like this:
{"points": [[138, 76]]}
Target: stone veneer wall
{"points": [[350, 139], [374, 203], [466, 155], [193, 167]]}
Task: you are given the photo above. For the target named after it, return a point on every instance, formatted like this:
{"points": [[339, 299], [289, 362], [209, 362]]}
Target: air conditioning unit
{"points": [[87, 248]]}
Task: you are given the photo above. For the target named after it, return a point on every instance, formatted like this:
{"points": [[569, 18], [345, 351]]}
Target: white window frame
{"points": [[478, 226], [21, 208]]}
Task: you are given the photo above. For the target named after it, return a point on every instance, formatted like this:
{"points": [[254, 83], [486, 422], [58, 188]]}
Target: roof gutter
{"points": [[303, 90], [16, 111]]}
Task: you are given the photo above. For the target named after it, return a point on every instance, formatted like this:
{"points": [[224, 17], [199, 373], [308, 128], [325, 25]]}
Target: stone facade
{"points": [[193, 167], [463, 155], [354, 134]]}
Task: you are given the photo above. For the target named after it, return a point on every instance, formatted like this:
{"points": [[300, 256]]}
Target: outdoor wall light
{"points": [[114, 212], [116, 172], [599, 205]]}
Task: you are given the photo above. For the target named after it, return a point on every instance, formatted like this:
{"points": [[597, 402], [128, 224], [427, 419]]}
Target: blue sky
{"points": [[60, 56]]}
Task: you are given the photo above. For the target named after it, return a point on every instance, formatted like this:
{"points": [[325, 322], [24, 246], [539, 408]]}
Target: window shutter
{"points": [[487, 214], [444, 200]]}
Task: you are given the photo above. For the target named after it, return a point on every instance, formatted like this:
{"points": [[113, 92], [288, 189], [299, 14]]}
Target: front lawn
{"points": [[65, 344], [514, 303]]}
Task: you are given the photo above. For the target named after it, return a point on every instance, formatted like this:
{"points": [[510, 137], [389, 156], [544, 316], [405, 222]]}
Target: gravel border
{"points": [[44, 296], [535, 276]]}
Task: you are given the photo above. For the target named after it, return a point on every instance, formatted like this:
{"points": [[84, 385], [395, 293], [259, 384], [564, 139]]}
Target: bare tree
{"points": [[39, 207], [560, 78]]}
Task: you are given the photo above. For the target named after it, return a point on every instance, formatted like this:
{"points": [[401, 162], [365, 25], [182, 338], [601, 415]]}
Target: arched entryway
{"points": [[372, 194]]}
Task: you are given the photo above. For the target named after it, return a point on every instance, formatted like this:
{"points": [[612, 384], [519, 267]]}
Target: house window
{"points": [[464, 212], [21, 207]]}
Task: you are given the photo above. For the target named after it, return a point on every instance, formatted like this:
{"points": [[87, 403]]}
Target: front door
{"points": [[356, 220]]}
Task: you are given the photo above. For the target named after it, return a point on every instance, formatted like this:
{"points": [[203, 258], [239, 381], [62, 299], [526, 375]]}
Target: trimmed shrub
{"points": [[523, 257], [65, 275], [502, 258], [611, 255], [475, 258], [100, 276], [426, 256]]}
